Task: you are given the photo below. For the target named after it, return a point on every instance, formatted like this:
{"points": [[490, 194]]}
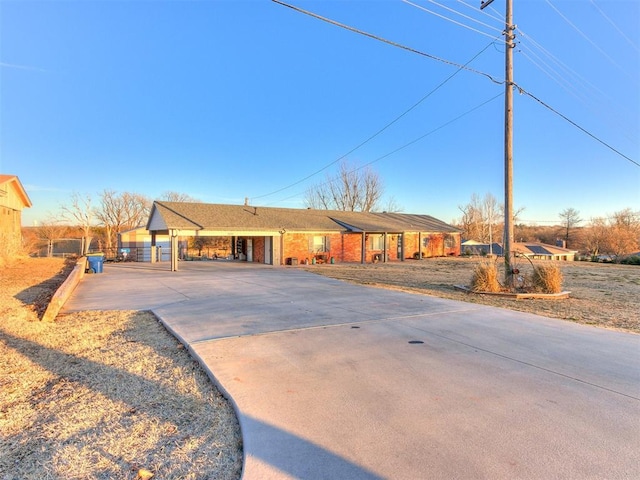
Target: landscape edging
{"points": [[518, 296], [66, 289]]}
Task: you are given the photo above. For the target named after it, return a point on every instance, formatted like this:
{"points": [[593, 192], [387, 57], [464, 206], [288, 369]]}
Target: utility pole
{"points": [[509, 44]]}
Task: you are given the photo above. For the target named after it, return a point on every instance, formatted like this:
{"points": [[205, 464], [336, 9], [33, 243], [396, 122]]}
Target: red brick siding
{"points": [[258, 249], [435, 245]]}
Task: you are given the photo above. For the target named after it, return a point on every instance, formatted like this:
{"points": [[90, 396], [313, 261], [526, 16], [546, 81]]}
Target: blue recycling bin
{"points": [[96, 262]]}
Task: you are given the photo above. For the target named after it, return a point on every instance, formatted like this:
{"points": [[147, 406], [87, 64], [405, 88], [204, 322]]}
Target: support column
{"points": [[385, 246], [363, 253], [174, 250], [152, 256]]}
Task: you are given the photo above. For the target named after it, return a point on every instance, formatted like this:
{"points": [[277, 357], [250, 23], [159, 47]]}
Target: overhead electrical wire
{"points": [[482, 12], [615, 26], [577, 80], [441, 84], [389, 42], [562, 115], [583, 97], [524, 92], [406, 145], [548, 70], [459, 66], [585, 36], [452, 20]]}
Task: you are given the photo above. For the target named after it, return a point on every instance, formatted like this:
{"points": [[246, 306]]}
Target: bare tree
{"points": [[80, 213], [121, 211], [50, 230], [472, 219], [353, 189], [615, 236], [596, 236], [481, 218], [570, 219], [171, 196], [624, 233]]}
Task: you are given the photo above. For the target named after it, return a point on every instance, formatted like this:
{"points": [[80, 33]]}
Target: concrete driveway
{"points": [[337, 381]]}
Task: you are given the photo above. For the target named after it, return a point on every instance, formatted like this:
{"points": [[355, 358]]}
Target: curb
{"points": [[64, 292]]}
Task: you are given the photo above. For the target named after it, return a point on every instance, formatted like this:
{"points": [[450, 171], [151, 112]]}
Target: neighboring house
{"points": [[532, 250], [13, 198], [279, 236], [135, 245]]}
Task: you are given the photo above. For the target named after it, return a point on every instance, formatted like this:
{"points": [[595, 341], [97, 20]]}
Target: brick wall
{"points": [[433, 244], [347, 248]]}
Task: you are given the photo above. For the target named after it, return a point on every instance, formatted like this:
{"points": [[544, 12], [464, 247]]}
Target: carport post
{"points": [[152, 256], [385, 241], [174, 250]]}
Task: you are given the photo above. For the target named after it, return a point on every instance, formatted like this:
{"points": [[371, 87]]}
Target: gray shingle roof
{"points": [[205, 216]]}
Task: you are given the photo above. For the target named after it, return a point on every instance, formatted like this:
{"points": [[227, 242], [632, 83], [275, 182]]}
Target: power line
{"points": [[379, 131], [406, 145], [585, 36], [564, 116], [521, 90], [588, 98], [389, 42], [582, 97], [483, 11], [635, 47], [433, 57], [454, 21]]}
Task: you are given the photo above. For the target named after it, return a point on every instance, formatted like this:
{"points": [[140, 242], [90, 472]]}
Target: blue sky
{"points": [[224, 100]]}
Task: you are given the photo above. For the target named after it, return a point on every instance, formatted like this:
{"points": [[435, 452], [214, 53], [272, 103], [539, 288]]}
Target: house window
{"points": [[377, 242], [319, 243], [449, 241]]}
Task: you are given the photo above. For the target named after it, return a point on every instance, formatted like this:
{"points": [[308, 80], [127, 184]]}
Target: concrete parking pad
{"points": [[333, 380]]}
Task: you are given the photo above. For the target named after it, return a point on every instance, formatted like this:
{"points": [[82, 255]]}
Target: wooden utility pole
{"points": [[509, 43]]}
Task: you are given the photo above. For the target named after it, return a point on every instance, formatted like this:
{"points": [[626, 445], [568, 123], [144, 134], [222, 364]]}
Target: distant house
{"points": [[13, 199], [279, 236], [532, 250]]}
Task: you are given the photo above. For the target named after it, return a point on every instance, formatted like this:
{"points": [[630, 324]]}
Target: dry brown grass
{"points": [[547, 278], [103, 394], [485, 277], [604, 295]]}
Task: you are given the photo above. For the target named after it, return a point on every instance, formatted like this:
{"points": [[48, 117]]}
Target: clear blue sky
{"points": [[224, 100]]}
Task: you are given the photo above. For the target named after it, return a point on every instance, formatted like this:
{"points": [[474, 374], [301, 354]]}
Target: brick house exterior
{"points": [[285, 236], [13, 199]]}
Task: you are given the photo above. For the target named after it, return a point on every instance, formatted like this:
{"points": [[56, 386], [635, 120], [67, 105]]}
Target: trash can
{"points": [[96, 262], [292, 261]]}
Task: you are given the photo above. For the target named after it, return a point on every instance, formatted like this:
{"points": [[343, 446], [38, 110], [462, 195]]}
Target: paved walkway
{"points": [[337, 381]]}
